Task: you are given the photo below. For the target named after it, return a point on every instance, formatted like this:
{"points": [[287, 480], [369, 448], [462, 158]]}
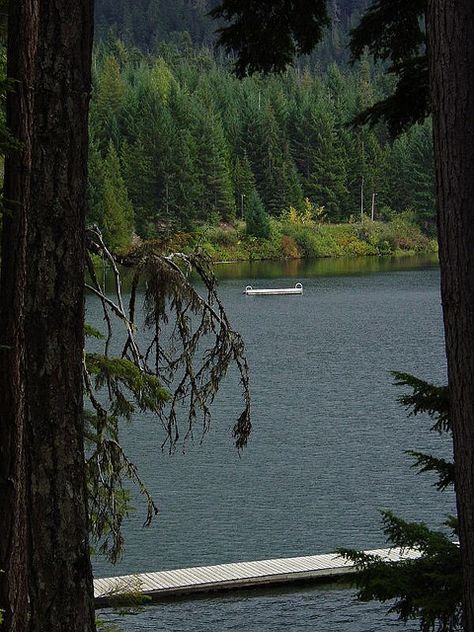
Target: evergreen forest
{"points": [[177, 141]]}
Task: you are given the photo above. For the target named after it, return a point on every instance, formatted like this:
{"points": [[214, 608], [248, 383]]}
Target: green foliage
{"points": [[428, 588], [295, 235], [122, 376], [393, 31], [146, 23], [127, 597], [425, 398], [213, 165], [92, 332], [109, 202], [256, 218], [118, 212], [104, 626], [176, 141], [244, 183], [268, 39]]}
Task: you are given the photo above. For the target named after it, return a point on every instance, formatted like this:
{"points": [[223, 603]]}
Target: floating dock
{"points": [[241, 575], [250, 291]]}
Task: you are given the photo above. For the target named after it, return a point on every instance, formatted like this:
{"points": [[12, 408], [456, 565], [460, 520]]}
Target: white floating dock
{"points": [[250, 291], [202, 579]]}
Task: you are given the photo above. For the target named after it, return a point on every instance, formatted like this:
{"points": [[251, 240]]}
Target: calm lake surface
{"points": [[327, 446]]}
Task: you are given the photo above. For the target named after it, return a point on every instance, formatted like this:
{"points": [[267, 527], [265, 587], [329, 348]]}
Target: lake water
{"points": [[327, 446]]}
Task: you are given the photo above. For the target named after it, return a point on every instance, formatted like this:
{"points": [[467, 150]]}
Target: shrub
{"points": [[289, 247]]}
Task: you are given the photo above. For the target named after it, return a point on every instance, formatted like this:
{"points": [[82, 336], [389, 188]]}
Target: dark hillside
{"points": [[144, 23]]}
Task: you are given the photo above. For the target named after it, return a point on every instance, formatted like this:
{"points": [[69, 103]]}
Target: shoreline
{"points": [[289, 241], [398, 255]]}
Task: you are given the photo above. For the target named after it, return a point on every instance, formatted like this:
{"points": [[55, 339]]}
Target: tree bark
{"points": [[44, 550], [22, 23], [450, 25], [60, 586]]}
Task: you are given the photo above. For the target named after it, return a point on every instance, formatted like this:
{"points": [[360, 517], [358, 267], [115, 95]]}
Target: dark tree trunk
{"points": [[43, 510], [21, 54], [60, 587], [450, 26]]}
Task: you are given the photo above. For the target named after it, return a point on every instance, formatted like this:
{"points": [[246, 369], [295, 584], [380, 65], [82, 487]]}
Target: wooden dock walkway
{"points": [[202, 579]]}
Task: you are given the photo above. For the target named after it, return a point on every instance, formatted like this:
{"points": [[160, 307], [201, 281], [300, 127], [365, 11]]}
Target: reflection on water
{"points": [[337, 266], [298, 268]]}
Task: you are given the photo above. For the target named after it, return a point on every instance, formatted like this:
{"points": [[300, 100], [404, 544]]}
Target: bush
{"points": [[289, 247]]}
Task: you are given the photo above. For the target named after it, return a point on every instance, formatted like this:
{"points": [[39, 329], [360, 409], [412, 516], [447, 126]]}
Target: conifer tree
{"points": [[161, 79], [217, 195], [319, 156], [244, 183], [111, 93], [117, 211], [95, 182], [268, 151], [422, 173], [258, 224], [140, 179], [292, 130], [183, 186]]}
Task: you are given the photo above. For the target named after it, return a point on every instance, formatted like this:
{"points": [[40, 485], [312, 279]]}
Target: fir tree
{"points": [[216, 195], [183, 186], [117, 211], [111, 93], [256, 218], [244, 183], [192, 140], [319, 156], [140, 178]]}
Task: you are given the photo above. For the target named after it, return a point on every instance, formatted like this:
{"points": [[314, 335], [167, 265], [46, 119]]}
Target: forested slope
{"points": [[145, 23], [177, 140]]}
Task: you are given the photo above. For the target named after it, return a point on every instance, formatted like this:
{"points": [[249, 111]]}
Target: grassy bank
{"points": [[292, 240]]}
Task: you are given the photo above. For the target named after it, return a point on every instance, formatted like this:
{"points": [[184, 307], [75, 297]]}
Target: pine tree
{"points": [[244, 183], [117, 211], [183, 186], [216, 198], [422, 173], [268, 152], [287, 136], [161, 79], [258, 224], [111, 93], [140, 180], [95, 183], [318, 153]]}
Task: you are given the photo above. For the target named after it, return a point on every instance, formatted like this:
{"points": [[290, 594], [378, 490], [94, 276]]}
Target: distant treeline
{"points": [[176, 140], [147, 23]]}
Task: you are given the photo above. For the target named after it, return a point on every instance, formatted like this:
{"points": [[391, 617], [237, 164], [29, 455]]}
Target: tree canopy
{"points": [[185, 141]]}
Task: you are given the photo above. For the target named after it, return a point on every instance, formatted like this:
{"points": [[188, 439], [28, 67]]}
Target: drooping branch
{"points": [[191, 347]]}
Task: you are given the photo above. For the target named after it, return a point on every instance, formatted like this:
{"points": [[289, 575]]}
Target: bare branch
{"points": [[193, 372]]}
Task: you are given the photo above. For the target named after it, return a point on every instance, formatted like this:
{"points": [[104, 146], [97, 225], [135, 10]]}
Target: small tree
{"points": [[258, 224], [117, 210]]}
